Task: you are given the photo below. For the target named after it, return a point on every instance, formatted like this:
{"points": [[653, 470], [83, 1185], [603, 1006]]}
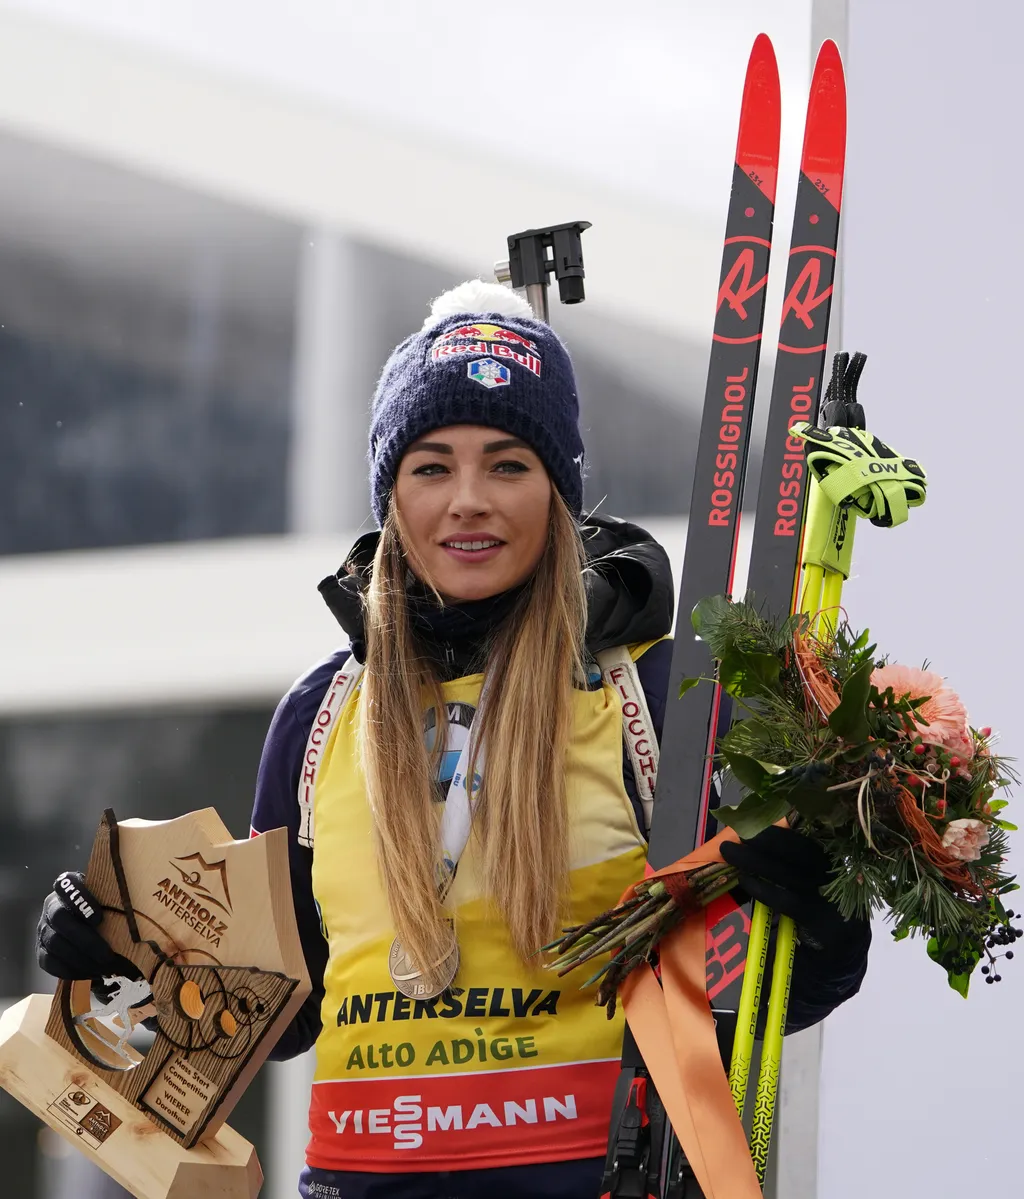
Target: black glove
{"points": [[68, 944], [786, 870]]}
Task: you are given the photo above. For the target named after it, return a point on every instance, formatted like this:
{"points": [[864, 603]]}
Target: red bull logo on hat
{"points": [[492, 333], [489, 339]]}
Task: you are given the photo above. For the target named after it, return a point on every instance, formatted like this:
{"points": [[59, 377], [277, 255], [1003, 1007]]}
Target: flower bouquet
{"points": [[875, 761]]}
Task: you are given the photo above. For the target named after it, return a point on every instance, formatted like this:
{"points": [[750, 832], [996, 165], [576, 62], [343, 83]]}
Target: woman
{"points": [[449, 1063]]}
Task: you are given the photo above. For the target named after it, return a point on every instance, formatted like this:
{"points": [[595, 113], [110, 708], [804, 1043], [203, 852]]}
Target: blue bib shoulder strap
{"points": [[335, 698]]}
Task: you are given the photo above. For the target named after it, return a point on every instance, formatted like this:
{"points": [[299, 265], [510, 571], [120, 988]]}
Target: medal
{"points": [[418, 984]]}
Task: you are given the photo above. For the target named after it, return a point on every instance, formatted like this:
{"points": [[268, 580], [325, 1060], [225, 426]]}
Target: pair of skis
{"points": [[643, 1158]]}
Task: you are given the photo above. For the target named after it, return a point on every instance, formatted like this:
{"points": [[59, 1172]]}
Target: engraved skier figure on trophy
{"points": [[128, 994]]}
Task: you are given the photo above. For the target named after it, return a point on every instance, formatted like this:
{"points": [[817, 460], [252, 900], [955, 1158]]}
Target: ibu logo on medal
{"points": [[419, 984]]}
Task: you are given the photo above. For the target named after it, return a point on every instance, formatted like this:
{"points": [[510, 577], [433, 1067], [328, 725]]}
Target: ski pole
{"points": [[831, 597], [847, 463], [811, 587], [749, 1005], [825, 561], [819, 582], [771, 1048], [817, 578]]}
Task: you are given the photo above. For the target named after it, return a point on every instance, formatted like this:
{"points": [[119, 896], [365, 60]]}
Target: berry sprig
{"points": [[1001, 934]]}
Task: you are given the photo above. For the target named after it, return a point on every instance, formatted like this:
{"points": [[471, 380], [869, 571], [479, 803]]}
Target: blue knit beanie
{"points": [[481, 358]]}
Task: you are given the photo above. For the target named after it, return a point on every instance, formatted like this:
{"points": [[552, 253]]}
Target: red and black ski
{"points": [[803, 337], [640, 1139], [681, 811]]}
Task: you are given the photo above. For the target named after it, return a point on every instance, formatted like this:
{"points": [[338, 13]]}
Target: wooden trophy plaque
{"points": [[210, 926]]}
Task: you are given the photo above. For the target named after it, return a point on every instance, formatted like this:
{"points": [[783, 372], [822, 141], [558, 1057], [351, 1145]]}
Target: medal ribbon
{"points": [[460, 804], [456, 823]]}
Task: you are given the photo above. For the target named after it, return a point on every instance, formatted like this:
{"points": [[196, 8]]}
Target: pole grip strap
{"points": [[857, 470], [828, 535]]}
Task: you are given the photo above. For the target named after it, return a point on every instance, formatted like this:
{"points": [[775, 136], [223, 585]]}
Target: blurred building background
{"points": [[216, 219]]}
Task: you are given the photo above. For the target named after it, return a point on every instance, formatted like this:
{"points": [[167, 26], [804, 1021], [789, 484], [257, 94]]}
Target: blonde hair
{"points": [[521, 823]]}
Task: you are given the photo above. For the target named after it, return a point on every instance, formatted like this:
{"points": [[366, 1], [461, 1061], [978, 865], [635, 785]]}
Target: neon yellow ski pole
{"points": [[847, 488], [831, 598], [814, 578], [771, 1048], [750, 1005], [820, 593]]}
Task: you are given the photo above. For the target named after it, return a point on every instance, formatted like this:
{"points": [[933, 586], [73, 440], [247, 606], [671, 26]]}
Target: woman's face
{"points": [[474, 505]]}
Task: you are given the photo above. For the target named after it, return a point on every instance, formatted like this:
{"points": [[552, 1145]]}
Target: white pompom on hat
{"points": [[475, 295]]}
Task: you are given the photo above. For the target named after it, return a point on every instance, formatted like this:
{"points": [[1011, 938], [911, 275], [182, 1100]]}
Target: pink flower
{"points": [[965, 839], [942, 719]]}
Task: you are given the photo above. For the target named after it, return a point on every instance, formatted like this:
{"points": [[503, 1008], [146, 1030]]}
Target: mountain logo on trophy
{"points": [[207, 879]]}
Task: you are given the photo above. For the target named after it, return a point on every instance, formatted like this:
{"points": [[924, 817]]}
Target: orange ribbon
{"points": [[675, 1032]]}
